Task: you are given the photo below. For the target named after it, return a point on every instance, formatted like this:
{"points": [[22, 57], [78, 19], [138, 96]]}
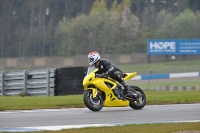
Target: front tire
{"points": [[94, 104], [141, 101]]}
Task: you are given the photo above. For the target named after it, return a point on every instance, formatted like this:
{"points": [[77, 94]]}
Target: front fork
{"points": [[94, 92]]}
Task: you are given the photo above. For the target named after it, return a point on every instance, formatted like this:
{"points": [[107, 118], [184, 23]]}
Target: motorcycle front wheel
{"points": [[94, 104], [140, 102]]}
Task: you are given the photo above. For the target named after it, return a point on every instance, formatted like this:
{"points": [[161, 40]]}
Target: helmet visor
{"points": [[90, 60]]}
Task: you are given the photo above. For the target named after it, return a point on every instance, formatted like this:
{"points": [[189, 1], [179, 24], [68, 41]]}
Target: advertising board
{"points": [[173, 46]]}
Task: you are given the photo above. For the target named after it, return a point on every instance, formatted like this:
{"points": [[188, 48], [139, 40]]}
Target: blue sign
{"points": [[173, 47]]}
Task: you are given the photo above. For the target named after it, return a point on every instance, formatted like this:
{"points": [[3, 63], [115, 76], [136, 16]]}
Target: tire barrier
{"points": [[69, 80]]}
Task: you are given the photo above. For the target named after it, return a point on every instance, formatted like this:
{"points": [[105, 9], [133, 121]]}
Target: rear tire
{"points": [[140, 102], [94, 104]]}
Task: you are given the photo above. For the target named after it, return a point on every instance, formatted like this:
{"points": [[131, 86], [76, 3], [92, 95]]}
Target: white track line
{"points": [[61, 127]]}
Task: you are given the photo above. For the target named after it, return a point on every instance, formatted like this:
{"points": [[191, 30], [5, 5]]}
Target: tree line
{"points": [[71, 27]]}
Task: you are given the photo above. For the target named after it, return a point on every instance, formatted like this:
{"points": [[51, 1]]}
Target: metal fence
{"points": [[28, 82]]}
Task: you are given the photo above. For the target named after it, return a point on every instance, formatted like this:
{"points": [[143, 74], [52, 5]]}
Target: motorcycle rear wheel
{"points": [[94, 104], [140, 102]]}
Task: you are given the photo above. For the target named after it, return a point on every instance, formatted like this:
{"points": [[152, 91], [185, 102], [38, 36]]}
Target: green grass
{"points": [[33, 102], [154, 85], [144, 128], [163, 67], [173, 97]]}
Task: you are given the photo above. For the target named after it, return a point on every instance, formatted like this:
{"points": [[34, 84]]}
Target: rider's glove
{"points": [[104, 75]]}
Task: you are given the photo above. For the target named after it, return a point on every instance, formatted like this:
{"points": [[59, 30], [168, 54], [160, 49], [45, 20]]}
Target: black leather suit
{"points": [[114, 72]]}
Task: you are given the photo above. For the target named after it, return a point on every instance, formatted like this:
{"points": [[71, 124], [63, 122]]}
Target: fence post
{"points": [[48, 80], [2, 83], [184, 88], [175, 88], [159, 88], [25, 82], [167, 88], [193, 88]]}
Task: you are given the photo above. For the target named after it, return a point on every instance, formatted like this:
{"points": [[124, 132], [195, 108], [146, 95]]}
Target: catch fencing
{"points": [[28, 82]]}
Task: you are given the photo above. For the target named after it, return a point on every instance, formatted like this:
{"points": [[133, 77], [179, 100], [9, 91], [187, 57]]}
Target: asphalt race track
{"points": [[56, 119]]}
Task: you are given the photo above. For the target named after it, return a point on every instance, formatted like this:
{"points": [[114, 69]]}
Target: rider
{"points": [[107, 68]]}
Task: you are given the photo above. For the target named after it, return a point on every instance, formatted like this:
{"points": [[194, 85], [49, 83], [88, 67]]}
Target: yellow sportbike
{"points": [[102, 92]]}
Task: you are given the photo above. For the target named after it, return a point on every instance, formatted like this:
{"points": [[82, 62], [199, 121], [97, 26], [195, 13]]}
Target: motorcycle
{"points": [[100, 91]]}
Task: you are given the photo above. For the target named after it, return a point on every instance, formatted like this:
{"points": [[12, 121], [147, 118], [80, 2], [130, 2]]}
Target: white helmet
{"points": [[93, 57]]}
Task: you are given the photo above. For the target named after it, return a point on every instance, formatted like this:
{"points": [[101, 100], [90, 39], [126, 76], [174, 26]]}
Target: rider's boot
{"points": [[127, 92]]}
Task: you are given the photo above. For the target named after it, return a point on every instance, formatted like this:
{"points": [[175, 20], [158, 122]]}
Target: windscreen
{"points": [[90, 69]]}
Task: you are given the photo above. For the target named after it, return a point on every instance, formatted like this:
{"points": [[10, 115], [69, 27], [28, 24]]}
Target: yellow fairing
{"points": [[110, 99], [87, 80], [129, 76]]}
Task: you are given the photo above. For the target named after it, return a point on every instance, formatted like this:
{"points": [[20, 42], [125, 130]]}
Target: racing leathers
{"points": [[107, 67]]}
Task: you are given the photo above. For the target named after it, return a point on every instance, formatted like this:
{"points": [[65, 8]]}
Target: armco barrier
{"points": [[28, 82], [166, 76]]}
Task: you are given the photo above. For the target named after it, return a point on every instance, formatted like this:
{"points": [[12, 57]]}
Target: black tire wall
{"points": [[68, 81]]}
